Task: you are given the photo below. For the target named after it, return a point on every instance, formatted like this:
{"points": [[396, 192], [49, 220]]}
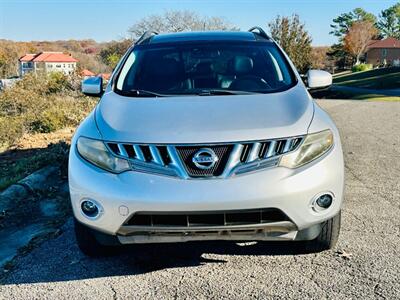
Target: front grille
{"points": [[207, 219], [233, 158], [186, 153]]}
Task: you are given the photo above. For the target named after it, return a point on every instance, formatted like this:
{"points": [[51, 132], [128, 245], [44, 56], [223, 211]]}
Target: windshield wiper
{"points": [[222, 92], [142, 93]]}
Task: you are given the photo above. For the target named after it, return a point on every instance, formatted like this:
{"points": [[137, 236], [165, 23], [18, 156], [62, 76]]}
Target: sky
{"points": [[105, 20]]}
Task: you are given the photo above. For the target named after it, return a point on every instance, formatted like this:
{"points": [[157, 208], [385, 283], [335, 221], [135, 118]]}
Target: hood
{"points": [[204, 119]]}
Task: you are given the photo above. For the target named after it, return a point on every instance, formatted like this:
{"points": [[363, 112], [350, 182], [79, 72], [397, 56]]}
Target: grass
{"points": [[16, 164], [354, 96], [379, 98], [388, 78]]}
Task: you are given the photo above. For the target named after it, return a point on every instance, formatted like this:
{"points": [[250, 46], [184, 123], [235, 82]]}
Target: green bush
{"points": [[11, 129], [361, 67], [42, 103]]}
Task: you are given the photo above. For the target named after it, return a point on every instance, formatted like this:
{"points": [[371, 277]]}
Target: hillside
{"points": [[88, 52]]}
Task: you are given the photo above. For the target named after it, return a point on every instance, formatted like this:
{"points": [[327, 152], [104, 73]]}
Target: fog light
{"points": [[90, 208], [324, 201]]}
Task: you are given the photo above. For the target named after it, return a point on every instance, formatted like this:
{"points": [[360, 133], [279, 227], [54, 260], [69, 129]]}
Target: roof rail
{"points": [[146, 36], [259, 31]]}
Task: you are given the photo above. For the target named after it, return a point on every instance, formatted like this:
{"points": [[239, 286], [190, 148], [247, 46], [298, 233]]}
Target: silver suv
{"points": [[206, 136]]}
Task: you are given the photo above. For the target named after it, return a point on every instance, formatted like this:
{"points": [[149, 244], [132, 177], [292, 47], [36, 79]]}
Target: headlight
{"points": [[314, 145], [97, 153]]}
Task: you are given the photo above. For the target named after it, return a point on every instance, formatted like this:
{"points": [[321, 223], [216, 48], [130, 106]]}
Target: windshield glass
{"points": [[216, 69]]}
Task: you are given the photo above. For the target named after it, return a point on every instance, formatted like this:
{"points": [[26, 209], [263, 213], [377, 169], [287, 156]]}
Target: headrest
{"points": [[164, 67], [204, 68], [242, 64]]}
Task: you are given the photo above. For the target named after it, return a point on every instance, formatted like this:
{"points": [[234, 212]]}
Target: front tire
{"points": [[328, 236], [87, 242]]}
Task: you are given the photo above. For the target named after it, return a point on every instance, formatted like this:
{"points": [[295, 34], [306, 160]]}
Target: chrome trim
{"points": [[139, 153], [288, 144], [156, 157], [233, 160], [176, 162], [174, 166], [198, 161], [271, 149], [122, 150], [254, 152], [128, 229]]}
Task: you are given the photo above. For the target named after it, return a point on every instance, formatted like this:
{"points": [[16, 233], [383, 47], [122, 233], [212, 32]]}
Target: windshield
{"points": [[204, 69]]}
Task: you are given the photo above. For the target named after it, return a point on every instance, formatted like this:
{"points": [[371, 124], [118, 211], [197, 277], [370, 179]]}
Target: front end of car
{"points": [[274, 189]]}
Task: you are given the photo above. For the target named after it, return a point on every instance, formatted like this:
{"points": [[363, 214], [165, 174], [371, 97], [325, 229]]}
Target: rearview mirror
{"points": [[92, 86], [318, 79]]}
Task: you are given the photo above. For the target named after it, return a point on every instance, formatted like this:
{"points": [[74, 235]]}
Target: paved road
{"points": [[365, 264]]}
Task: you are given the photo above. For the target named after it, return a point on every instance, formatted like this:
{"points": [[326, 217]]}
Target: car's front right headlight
{"points": [[315, 145], [96, 152]]}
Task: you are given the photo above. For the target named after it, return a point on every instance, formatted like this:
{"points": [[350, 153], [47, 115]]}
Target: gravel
{"points": [[364, 265]]}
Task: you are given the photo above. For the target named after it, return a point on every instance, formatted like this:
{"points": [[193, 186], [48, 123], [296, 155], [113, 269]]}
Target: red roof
{"points": [[86, 72], [54, 57], [48, 57], [27, 57], [386, 43], [105, 76]]}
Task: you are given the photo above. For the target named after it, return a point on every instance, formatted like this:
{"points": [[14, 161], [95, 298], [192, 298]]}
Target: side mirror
{"points": [[92, 86], [318, 79]]}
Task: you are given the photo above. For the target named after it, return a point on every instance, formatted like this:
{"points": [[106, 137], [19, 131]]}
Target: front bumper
{"points": [[291, 191]]}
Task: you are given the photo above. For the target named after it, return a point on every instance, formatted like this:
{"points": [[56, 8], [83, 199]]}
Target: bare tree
{"points": [[358, 37], [176, 20]]}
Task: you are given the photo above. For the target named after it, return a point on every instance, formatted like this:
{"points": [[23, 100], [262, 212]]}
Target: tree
{"points": [[342, 23], [176, 20], [290, 33], [113, 51], [358, 37], [320, 59], [389, 21]]}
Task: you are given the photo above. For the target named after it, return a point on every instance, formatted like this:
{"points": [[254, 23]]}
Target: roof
{"points": [[386, 43], [54, 57], [27, 57], [48, 57], [86, 72], [203, 36], [105, 76]]}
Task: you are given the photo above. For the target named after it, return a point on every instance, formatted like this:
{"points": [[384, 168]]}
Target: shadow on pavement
{"points": [[60, 259]]}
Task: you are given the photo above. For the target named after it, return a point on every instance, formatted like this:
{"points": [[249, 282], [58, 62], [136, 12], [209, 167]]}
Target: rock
{"points": [[11, 193], [49, 208], [37, 181]]}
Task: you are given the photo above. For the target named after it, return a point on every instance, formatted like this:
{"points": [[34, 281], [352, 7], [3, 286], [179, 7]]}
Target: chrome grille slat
{"points": [[288, 143], [139, 153], [254, 152], [271, 149], [176, 162], [233, 158], [156, 157], [122, 150]]}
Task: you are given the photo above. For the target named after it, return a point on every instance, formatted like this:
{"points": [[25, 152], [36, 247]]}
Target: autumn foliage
{"points": [[358, 37]]}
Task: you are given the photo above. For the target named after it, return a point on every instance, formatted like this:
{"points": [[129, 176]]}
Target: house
{"points": [[384, 52], [47, 62], [106, 76], [85, 73]]}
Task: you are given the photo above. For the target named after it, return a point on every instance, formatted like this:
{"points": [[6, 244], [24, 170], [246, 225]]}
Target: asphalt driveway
{"points": [[364, 265]]}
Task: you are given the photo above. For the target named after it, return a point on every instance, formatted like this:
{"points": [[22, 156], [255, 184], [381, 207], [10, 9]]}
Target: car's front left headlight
{"points": [[97, 153], [315, 145]]}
